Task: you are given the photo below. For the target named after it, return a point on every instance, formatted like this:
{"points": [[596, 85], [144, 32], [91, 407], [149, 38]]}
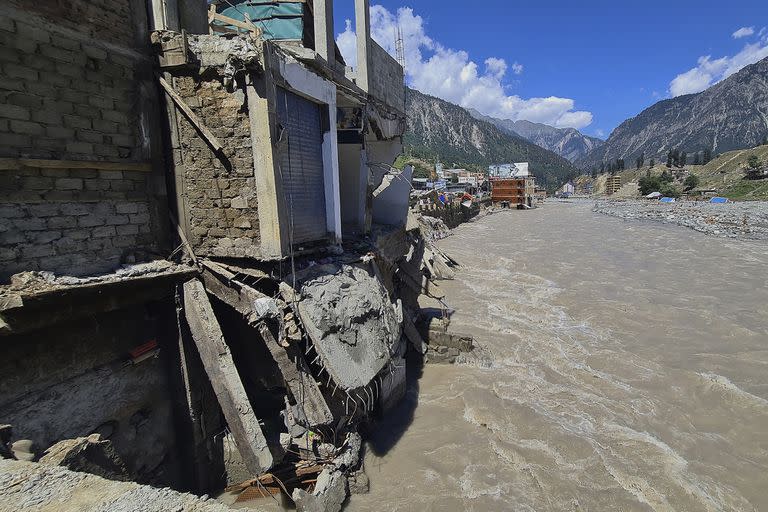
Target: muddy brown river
{"points": [[630, 373]]}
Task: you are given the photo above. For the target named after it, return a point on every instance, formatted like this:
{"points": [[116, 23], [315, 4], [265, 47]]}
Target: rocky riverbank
{"points": [[745, 220]]}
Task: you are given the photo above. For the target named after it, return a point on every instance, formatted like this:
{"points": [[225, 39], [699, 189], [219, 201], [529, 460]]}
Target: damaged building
{"points": [[204, 247]]}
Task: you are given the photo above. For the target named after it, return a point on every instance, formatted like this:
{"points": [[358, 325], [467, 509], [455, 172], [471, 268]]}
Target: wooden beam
{"points": [[196, 121], [12, 164], [303, 386], [222, 372]]}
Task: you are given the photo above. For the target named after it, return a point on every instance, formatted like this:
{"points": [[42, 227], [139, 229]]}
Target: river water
{"points": [[630, 373]]}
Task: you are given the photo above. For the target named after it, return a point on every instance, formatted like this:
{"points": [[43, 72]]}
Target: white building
{"points": [[516, 170]]}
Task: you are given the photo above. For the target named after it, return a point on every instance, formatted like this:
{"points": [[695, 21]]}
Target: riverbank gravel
{"points": [[742, 220]]}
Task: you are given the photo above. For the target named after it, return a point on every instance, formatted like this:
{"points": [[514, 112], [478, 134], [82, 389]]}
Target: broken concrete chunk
{"points": [[88, 455], [358, 483], [24, 449], [330, 493], [350, 320]]}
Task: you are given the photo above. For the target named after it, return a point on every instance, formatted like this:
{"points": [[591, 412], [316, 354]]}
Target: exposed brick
{"points": [[69, 184], [61, 222], [54, 78], [10, 212], [36, 251], [77, 122], [24, 100], [9, 55], [31, 32], [12, 237], [14, 112], [90, 221], [105, 126], [37, 183], [41, 89], [113, 115], [29, 224], [95, 52], [127, 208], [7, 24], [105, 150], [16, 140], [123, 140], [80, 147], [59, 132], [111, 175], [141, 218], [70, 70], [11, 85], [89, 136], [127, 229], [101, 102], [84, 173], [47, 117], [64, 42], [74, 209], [124, 241], [27, 127], [103, 231], [121, 186], [8, 253], [18, 71], [95, 185], [87, 111], [117, 220], [64, 107], [62, 55], [44, 237], [38, 62]]}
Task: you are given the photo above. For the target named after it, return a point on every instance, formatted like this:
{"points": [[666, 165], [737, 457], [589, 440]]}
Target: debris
{"points": [[24, 449], [330, 492], [222, 373], [358, 483], [88, 455], [191, 116]]}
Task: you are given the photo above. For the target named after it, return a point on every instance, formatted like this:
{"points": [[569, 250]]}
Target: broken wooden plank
{"points": [[222, 372], [191, 116], [413, 334], [303, 386], [223, 285]]}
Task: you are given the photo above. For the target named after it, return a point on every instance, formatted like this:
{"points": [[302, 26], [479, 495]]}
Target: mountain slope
{"points": [[732, 114], [441, 130], [569, 143]]}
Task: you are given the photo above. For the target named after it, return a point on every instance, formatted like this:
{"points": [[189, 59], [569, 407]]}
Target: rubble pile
{"points": [[742, 220]]}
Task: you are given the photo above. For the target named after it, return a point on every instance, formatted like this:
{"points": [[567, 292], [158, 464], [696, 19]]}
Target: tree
{"points": [[602, 167], [666, 177], [696, 159], [670, 158], [691, 182], [653, 162], [707, 156], [683, 159], [753, 162]]}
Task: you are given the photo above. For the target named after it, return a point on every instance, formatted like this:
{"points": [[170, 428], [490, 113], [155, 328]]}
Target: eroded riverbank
{"points": [[629, 374]]}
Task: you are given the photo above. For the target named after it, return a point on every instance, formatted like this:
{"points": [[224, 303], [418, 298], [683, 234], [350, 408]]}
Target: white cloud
{"points": [[708, 71], [451, 74], [743, 32], [600, 133]]}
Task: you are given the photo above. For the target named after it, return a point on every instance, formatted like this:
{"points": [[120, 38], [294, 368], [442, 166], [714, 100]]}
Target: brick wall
{"points": [[220, 193], [75, 221], [73, 87]]}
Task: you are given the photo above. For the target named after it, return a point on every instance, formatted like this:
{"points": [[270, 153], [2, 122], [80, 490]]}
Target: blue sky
{"points": [[589, 64]]}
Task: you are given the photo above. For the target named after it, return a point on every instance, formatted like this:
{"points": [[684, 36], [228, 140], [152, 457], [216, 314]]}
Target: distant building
{"points": [[613, 184], [516, 170], [567, 190], [515, 191]]}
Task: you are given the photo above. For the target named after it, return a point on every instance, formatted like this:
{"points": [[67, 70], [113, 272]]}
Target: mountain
{"points": [[569, 143], [732, 114], [441, 130]]}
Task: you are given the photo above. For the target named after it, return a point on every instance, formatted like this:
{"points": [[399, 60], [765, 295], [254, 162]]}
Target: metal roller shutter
{"points": [[301, 164]]}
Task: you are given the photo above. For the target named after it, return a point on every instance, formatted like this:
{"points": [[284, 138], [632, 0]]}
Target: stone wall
{"points": [[77, 221], [219, 189], [76, 87]]}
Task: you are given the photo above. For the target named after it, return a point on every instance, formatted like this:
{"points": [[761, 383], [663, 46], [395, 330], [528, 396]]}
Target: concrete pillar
{"points": [[363, 30], [324, 41], [165, 15]]}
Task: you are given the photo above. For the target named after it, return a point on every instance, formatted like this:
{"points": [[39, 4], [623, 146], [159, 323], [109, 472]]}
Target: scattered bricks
{"points": [[61, 222], [140, 218], [44, 209], [90, 221], [27, 127], [128, 229], [69, 183], [29, 224], [80, 147], [14, 112], [127, 208], [103, 231], [18, 71], [111, 175]]}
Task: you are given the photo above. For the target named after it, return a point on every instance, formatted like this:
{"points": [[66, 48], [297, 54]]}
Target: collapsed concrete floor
{"points": [[280, 363]]}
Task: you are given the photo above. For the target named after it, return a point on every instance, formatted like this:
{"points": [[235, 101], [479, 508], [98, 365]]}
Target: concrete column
{"points": [[165, 15], [363, 30], [324, 41]]}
